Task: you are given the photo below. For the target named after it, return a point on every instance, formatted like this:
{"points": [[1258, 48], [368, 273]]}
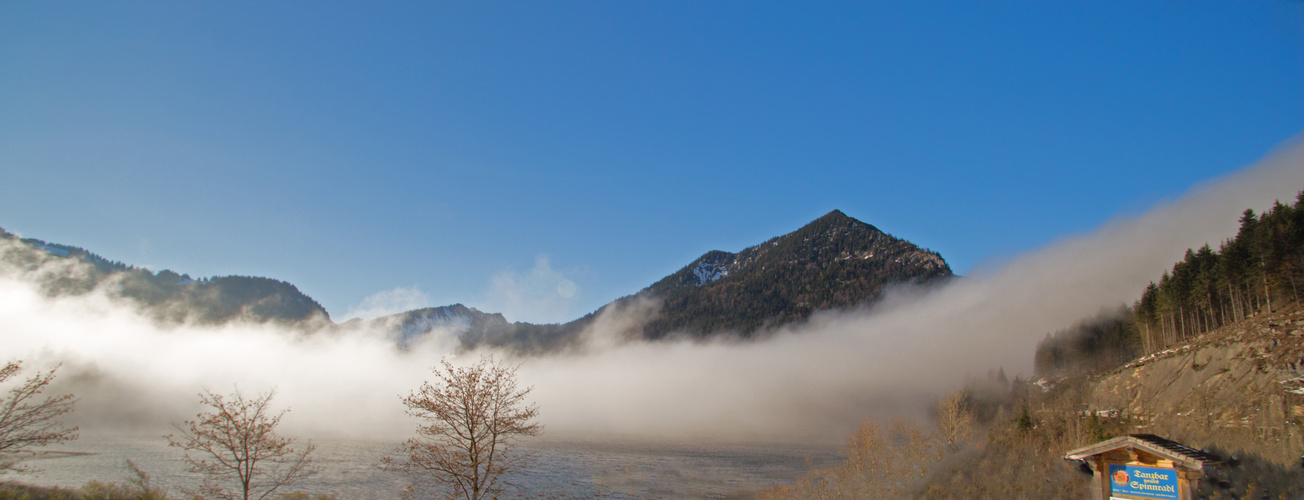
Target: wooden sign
{"points": [[1132, 481], [1143, 467]]}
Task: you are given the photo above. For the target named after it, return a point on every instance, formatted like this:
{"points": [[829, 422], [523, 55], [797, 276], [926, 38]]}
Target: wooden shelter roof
{"points": [[1172, 450]]}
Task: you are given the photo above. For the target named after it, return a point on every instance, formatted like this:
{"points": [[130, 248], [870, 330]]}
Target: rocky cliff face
{"points": [[1244, 381]]}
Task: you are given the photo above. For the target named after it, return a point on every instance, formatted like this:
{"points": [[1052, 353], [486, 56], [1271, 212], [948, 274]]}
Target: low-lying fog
{"points": [[811, 381]]}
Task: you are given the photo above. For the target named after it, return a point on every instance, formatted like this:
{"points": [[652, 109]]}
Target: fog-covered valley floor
{"points": [[805, 385]]}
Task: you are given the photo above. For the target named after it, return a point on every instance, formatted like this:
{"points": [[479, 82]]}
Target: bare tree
{"points": [[236, 442], [473, 417], [26, 421], [954, 422]]}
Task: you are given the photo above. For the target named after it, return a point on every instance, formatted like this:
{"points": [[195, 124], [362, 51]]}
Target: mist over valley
{"points": [[135, 345], [725, 250]]}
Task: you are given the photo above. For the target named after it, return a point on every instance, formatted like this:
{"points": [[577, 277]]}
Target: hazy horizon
{"points": [[811, 381]]}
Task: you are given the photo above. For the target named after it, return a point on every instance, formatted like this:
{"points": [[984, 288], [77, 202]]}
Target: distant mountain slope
{"points": [[465, 322], [834, 262], [166, 296], [469, 328]]}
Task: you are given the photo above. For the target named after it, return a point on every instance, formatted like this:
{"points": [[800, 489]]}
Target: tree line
{"points": [[1262, 265], [1255, 271]]}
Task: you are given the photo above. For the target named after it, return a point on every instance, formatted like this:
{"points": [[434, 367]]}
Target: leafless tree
{"points": [[954, 422], [235, 441], [26, 421], [473, 417]]}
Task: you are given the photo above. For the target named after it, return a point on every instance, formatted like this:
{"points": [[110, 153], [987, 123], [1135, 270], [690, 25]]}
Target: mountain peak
{"points": [[835, 215], [837, 219], [833, 262]]}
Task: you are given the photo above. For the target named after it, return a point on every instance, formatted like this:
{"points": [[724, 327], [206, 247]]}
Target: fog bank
{"points": [[809, 381]]}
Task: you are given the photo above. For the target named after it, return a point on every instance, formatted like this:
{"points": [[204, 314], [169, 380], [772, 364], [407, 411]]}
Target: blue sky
{"points": [[543, 158]]}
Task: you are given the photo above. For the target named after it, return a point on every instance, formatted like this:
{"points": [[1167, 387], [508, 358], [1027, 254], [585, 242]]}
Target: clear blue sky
{"points": [[351, 148]]}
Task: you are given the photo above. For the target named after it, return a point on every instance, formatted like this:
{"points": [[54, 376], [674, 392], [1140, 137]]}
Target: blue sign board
{"points": [[1143, 482]]}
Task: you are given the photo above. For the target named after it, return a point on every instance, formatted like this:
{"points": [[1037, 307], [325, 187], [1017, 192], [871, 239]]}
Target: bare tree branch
{"points": [[473, 417], [236, 443], [27, 421]]}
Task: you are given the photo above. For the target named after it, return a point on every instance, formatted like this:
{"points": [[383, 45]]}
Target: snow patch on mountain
{"points": [[707, 272]]}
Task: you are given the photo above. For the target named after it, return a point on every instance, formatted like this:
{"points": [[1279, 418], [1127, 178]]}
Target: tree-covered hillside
{"points": [[835, 262], [165, 296], [1255, 271]]}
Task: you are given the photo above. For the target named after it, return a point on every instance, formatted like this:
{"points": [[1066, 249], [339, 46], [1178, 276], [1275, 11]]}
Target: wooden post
{"points": [[1187, 482], [1100, 477]]}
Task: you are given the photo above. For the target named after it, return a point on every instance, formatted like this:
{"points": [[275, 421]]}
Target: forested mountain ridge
{"points": [[165, 296], [834, 262]]}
